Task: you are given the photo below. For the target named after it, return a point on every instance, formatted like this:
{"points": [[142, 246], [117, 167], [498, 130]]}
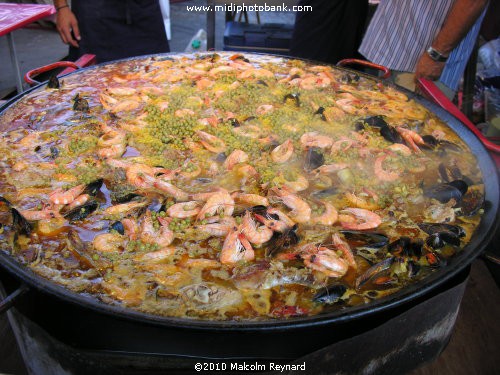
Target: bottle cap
{"points": [[196, 44]]}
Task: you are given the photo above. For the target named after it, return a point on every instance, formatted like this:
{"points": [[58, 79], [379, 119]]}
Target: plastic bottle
{"points": [[198, 42]]}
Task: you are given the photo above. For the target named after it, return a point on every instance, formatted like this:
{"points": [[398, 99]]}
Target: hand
{"points": [[66, 22], [428, 68]]}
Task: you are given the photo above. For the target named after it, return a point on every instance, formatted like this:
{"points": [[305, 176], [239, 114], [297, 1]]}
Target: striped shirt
{"points": [[402, 30]]}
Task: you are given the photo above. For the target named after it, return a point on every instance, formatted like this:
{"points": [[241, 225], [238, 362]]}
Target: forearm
{"points": [[463, 14], [60, 3]]}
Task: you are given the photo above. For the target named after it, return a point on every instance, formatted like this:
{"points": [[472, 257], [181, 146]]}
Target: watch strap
{"points": [[436, 55]]}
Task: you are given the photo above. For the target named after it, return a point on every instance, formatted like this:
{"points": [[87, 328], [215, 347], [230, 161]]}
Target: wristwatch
{"points": [[436, 55]]}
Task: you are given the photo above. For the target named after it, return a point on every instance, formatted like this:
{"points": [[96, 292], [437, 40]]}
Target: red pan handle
{"points": [[429, 89], [368, 64], [28, 77]]}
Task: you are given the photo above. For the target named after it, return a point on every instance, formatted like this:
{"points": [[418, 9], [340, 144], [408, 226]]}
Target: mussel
{"points": [[4, 200], [80, 104], [450, 173], [234, 122], [447, 191], [293, 96], [331, 294], [375, 121], [405, 246], [373, 271], [53, 82], [81, 212], [366, 239], [314, 159], [391, 134], [220, 157], [325, 192], [19, 222], [471, 202], [93, 187], [434, 260], [123, 198], [431, 228], [440, 239], [118, 227], [321, 112], [413, 268], [282, 241]]}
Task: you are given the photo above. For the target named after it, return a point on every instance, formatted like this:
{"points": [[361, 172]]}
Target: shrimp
{"points": [[381, 173], [402, 149], [235, 157], [218, 202], [299, 184], [254, 234], [312, 82], [112, 151], [236, 248], [221, 69], [264, 109], [326, 261], [59, 196], [184, 210], [108, 242], [283, 152], [314, 139], [248, 131], [361, 219], [168, 188], [80, 200], [155, 257], [250, 199], [275, 220], [329, 217], [163, 238], [211, 142], [136, 175], [220, 228], [204, 83], [44, 214], [346, 250], [131, 228], [124, 208], [330, 168], [121, 91], [359, 201], [343, 145], [256, 72], [301, 211], [411, 138]]}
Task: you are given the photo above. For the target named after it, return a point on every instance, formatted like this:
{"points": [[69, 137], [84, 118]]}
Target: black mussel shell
{"points": [[449, 146], [81, 212], [430, 141], [471, 202], [413, 268], [431, 228], [390, 134], [450, 173], [325, 192], [415, 248], [461, 185], [54, 152], [293, 96], [374, 271], [321, 112], [439, 239], [21, 225], [80, 104], [282, 241], [124, 198], [94, 187], [331, 294], [358, 126], [53, 82], [314, 159], [375, 121], [4, 200], [346, 78], [234, 122], [220, 157], [366, 239], [445, 192], [118, 226], [400, 245], [434, 260], [263, 83]]}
